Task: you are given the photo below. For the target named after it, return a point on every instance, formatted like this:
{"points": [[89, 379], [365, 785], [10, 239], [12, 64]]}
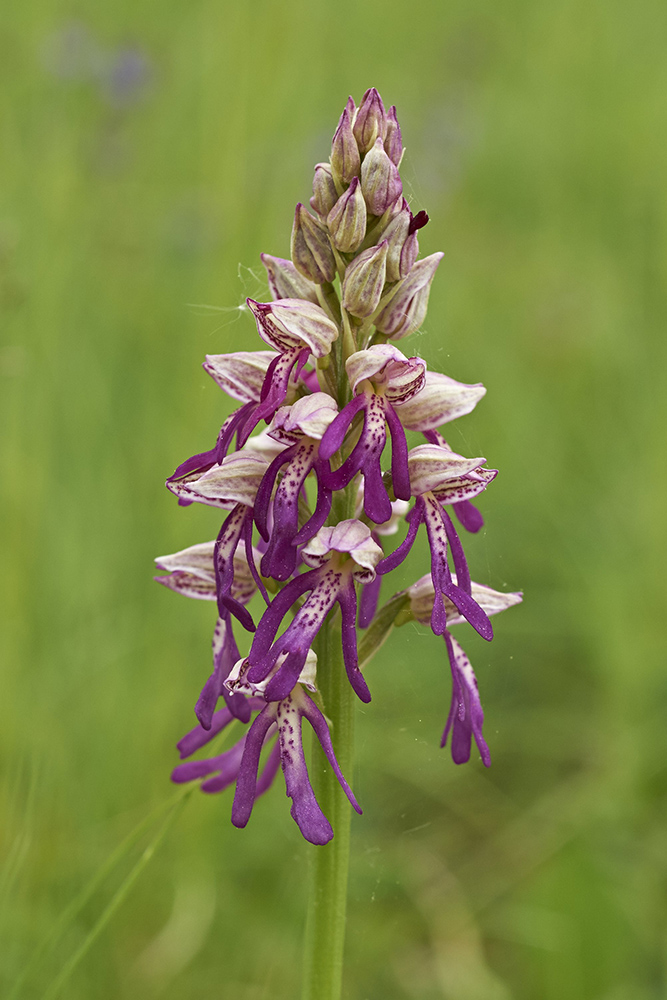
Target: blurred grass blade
{"points": [[117, 899], [71, 911]]}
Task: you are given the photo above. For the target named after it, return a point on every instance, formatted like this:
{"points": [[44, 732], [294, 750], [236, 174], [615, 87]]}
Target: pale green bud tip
{"points": [[347, 219], [311, 250], [364, 281]]}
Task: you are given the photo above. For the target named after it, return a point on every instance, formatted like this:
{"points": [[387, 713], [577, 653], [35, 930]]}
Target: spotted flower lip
{"points": [[286, 715], [289, 323], [309, 416], [441, 400], [350, 537], [241, 375], [399, 378]]}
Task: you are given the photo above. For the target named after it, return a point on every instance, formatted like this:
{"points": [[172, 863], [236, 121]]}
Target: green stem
{"points": [[325, 924]]}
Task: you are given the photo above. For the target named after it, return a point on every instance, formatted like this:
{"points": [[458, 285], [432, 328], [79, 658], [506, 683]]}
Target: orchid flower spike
{"points": [[310, 495]]}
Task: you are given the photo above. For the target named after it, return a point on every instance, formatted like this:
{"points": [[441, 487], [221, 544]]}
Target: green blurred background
{"points": [[150, 152]]}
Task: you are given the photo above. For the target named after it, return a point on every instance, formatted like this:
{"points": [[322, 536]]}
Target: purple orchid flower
{"points": [[465, 718], [439, 476], [299, 428], [331, 389], [296, 328], [240, 764], [191, 572], [382, 378], [341, 555], [241, 376], [233, 486]]}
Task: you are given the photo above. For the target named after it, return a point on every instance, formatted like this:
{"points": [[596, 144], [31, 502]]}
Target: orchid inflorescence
{"points": [[329, 387]]}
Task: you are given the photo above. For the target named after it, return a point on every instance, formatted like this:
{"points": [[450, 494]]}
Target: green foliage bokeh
{"points": [[131, 223]]}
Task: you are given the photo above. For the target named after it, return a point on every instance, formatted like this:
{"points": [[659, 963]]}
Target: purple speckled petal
{"points": [[470, 610], [200, 736], [347, 598], [322, 507], [395, 558], [269, 770], [305, 810], [311, 712], [275, 387], [250, 558], [225, 547], [370, 595], [274, 614], [246, 782], [377, 505], [458, 555], [280, 558], [334, 435], [468, 515], [282, 683], [466, 716], [227, 763], [225, 655], [399, 454], [207, 459], [263, 498]]}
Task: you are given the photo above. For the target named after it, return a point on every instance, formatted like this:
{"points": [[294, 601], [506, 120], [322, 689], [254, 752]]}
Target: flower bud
{"points": [[347, 219], [405, 311], [393, 143], [380, 180], [369, 123], [311, 249], [324, 190], [345, 159], [285, 282], [364, 281], [396, 234]]}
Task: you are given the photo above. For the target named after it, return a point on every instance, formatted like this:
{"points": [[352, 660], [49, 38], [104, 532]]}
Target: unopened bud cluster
{"points": [[328, 392]]}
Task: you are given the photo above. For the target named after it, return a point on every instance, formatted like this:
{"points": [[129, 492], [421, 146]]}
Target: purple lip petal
{"points": [[246, 782], [470, 610], [274, 614], [311, 712], [465, 717], [370, 594], [458, 555], [347, 599], [399, 454], [335, 433], [322, 508], [395, 558], [468, 515], [263, 499]]}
